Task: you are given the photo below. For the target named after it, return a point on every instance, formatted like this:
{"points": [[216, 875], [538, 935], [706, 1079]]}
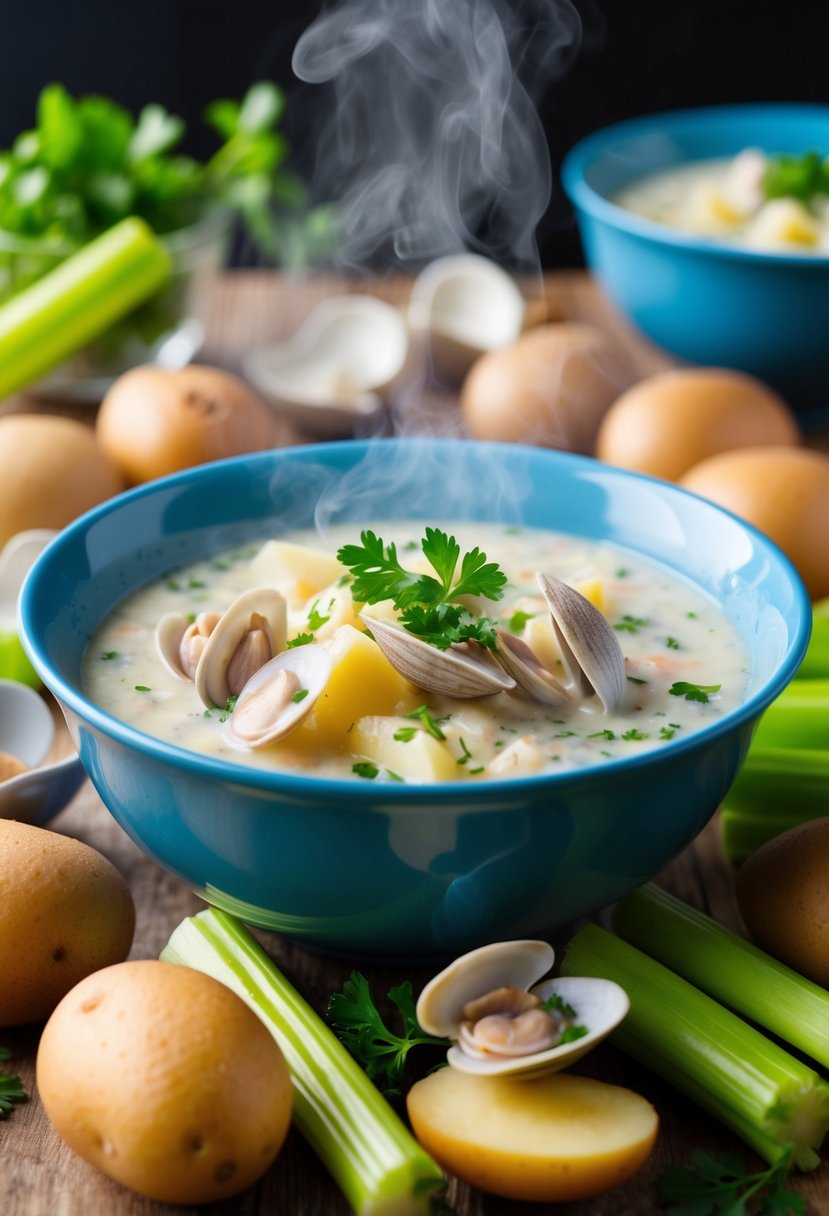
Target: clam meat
{"points": [[246, 637], [278, 696], [502, 1021]]}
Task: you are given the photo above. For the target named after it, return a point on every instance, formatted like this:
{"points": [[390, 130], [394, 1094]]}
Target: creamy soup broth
{"points": [[378, 730], [723, 200]]}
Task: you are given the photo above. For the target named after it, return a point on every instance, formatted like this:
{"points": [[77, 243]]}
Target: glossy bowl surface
{"points": [[406, 871], [765, 313]]}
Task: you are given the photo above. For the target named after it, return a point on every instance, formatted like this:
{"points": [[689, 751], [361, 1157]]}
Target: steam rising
{"points": [[432, 143]]}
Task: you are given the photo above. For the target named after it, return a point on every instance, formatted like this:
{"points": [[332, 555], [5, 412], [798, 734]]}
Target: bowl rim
{"points": [[307, 788], [588, 150]]}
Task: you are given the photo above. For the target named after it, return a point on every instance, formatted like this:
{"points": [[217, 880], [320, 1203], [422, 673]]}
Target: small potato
{"points": [[166, 1081], [65, 911], [153, 422], [783, 895], [546, 1140]]}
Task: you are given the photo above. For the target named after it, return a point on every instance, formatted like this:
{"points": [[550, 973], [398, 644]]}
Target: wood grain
{"points": [[40, 1177]]}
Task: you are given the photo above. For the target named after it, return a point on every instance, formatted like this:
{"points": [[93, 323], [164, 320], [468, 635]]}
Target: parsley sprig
{"points": [[381, 1052], [11, 1088], [428, 604], [693, 692], [802, 177], [714, 1185]]}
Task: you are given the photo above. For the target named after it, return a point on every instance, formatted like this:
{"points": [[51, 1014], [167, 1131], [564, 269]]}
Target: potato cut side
{"points": [[417, 755], [296, 570], [553, 1138]]}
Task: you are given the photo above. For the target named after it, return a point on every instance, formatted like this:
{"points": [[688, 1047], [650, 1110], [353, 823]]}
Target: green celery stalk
{"points": [[727, 967], [78, 300], [378, 1165], [798, 718], [743, 831], [773, 1101], [815, 663]]}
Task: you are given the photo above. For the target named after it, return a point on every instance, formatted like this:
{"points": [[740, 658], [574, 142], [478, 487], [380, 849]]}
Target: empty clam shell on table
{"points": [[461, 307], [338, 368], [503, 1022]]}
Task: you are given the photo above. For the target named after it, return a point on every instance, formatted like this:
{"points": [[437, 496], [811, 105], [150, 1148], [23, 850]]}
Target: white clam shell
{"points": [[337, 368], [450, 672], [211, 673], [464, 306], [168, 634], [600, 1005], [519, 964], [589, 648], [529, 673], [312, 666]]}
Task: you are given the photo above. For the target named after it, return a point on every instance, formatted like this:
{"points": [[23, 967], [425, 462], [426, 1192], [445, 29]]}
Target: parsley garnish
{"points": [[630, 624], [518, 620], [109, 654], [602, 734], [364, 768], [377, 1049], [665, 732], [224, 712], [315, 619], [693, 692], [300, 695], [634, 734], [142, 688], [429, 720], [570, 1033], [672, 644], [427, 604], [11, 1088], [406, 733], [556, 1002], [636, 680], [802, 177], [714, 1185], [301, 639], [466, 754]]}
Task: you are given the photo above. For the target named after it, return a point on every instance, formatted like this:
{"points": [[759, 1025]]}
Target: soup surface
{"points": [[744, 201], [684, 663]]}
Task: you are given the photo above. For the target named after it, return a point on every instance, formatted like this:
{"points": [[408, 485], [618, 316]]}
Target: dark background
{"points": [[637, 56]]}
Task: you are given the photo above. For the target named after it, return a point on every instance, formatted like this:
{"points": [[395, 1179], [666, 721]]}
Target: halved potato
{"points": [[553, 1138]]}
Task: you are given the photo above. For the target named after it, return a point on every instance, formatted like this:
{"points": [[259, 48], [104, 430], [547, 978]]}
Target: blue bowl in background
{"points": [[405, 871], [764, 313]]}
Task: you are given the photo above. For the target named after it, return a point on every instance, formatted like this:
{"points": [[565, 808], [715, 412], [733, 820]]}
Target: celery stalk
{"points": [[798, 718], [815, 663], [777, 788], [380, 1168], [773, 1101], [78, 300], [744, 831], [727, 967]]}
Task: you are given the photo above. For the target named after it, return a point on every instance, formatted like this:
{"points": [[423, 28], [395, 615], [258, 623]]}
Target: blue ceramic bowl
{"points": [[406, 871], [765, 313]]}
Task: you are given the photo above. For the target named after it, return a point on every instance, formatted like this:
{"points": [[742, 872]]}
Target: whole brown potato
{"points": [[65, 911], [51, 471], [166, 1081], [783, 894], [551, 387], [153, 422]]}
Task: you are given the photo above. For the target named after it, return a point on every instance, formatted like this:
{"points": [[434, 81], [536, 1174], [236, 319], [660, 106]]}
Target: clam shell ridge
{"points": [[211, 673], [589, 648], [450, 672]]}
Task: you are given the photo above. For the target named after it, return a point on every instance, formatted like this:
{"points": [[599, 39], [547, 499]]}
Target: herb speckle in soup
{"points": [[463, 652]]}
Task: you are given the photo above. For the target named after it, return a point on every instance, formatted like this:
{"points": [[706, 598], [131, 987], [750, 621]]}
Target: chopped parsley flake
{"points": [[636, 680], [672, 644], [364, 768], [666, 732], [565, 734], [633, 733], [518, 620], [315, 618], [109, 654], [693, 692], [630, 624], [472, 771], [602, 734], [301, 639], [392, 775], [406, 733], [428, 719], [300, 695], [196, 584], [466, 754], [142, 688]]}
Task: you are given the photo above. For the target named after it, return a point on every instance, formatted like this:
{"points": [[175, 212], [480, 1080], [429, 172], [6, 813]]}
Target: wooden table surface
{"points": [[39, 1176]]}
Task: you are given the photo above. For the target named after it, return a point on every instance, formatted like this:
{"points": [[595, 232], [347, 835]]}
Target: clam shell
{"points": [[449, 672], [517, 658], [589, 648], [519, 964], [600, 1005], [211, 673], [312, 666], [168, 634]]}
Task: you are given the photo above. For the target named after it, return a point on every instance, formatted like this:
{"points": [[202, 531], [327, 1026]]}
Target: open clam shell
{"points": [[464, 306], [453, 672], [279, 696], [337, 368], [589, 648], [262, 610], [169, 635], [599, 1006], [517, 658]]}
